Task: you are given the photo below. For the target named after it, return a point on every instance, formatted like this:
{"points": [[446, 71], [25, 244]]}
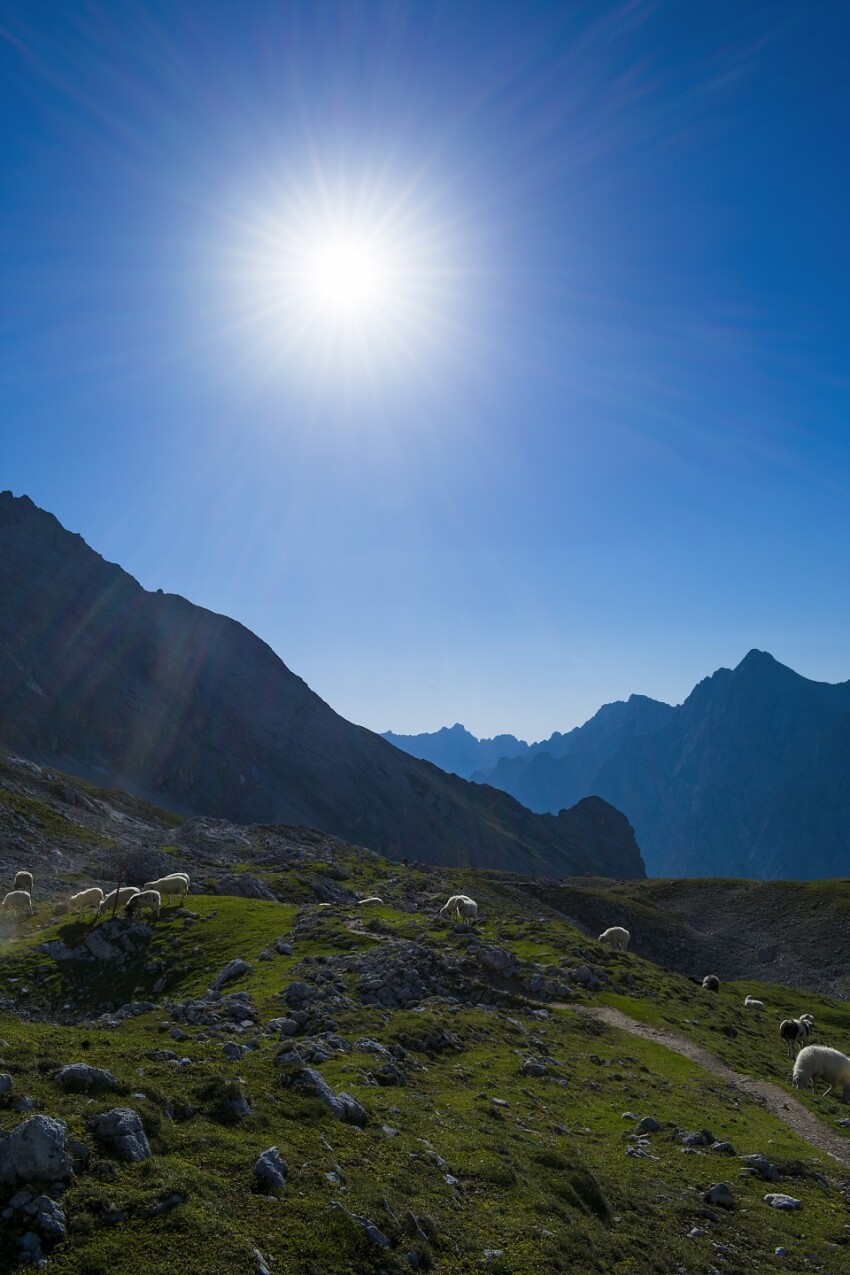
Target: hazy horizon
{"points": [[487, 361]]}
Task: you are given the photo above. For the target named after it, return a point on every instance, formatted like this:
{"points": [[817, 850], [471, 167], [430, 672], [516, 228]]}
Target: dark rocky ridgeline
{"points": [[146, 692]]}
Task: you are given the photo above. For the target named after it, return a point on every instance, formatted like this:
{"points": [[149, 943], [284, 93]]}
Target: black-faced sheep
{"points": [[463, 907], [144, 901], [23, 881], [18, 902], [615, 936], [796, 1032], [819, 1062], [91, 898], [176, 883], [711, 983], [117, 899]]}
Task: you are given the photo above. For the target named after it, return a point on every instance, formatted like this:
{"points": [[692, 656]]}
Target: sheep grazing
{"points": [[117, 899], [373, 898], [819, 1062], [615, 936], [175, 883], [144, 901], [91, 898], [462, 906], [23, 881], [711, 983], [750, 1002], [18, 902], [796, 1032]]}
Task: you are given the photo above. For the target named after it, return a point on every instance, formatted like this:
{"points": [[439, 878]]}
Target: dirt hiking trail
{"points": [[797, 1117]]}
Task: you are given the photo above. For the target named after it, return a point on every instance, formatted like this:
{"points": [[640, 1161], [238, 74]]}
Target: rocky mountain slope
{"points": [[748, 777], [189, 709], [254, 1082]]}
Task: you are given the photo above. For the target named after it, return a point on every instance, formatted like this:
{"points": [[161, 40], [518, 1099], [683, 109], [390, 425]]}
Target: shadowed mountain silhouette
{"points": [[750, 776], [187, 708]]}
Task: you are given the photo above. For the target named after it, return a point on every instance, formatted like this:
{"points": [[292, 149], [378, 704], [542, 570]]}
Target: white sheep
{"points": [[796, 1031], [117, 899], [17, 901], [464, 908], [373, 898], [819, 1062], [23, 881], [711, 983], [144, 901], [751, 1003], [91, 898], [175, 883], [615, 936]]}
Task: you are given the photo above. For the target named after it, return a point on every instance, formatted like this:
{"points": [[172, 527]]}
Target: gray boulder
{"points": [[6, 1083], [778, 1200], [121, 1131], [233, 969], [760, 1166], [270, 1170], [36, 1151], [721, 1195], [78, 1077], [343, 1105]]}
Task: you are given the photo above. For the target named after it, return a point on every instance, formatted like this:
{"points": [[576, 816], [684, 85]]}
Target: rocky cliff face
{"points": [[146, 691]]}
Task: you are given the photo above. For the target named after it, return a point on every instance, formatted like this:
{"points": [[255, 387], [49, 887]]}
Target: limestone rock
{"points": [[233, 969], [343, 1105], [78, 1077], [270, 1170], [121, 1131], [36, 1151]]}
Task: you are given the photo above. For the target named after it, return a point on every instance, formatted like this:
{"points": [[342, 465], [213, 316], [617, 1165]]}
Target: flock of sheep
{"points": [[813, 1062], [132, 899]]}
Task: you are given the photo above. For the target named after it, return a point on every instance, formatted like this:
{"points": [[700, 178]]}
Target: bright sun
{"points": [[336, 284], [347, 278]]}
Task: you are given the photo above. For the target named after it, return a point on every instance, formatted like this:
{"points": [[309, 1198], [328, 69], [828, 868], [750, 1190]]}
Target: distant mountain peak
{"points": [[758, 659]]}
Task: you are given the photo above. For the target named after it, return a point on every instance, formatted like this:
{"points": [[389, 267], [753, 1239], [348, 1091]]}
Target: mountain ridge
{"points": [[189, 709], [729, 783]]}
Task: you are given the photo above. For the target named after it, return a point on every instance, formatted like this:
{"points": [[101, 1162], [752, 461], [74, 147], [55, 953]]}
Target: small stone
{"points": [[758, 1164], [777, 1200], [78, 1077], [233, 969], [270, 1170], [648, 1125], [780, 1252], [721, 1195], [5, 1083], [166, 1205]]}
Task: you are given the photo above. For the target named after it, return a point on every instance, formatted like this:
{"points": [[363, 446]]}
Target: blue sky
{"points": [[600, 445]]}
